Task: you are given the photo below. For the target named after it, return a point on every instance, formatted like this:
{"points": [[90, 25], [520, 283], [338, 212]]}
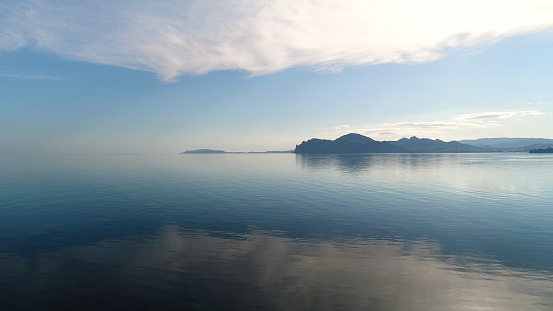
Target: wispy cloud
{"points": [[176, 37], [29, 76], [343, 127], [539, 103], [489, 119], [478, 120]]}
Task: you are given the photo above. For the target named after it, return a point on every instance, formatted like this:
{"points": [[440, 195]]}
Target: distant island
{"points": [[211, 151], [203, 151], [357, 143], [545, 150]]}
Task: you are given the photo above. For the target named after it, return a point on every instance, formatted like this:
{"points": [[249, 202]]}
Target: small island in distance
{"points": [[211, 151], [203, 151], [356, 143]]}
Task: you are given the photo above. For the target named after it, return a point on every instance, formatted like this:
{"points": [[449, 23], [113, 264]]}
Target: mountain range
{"points": [[510, 143], [357, 143]]}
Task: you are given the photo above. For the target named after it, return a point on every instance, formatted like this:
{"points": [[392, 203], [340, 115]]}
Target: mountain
{"points": [[350, 143], [357, 143], [508, 143], [426, 145]]}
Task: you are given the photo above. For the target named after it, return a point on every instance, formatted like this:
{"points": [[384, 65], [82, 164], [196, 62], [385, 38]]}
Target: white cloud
{"points": [[176, 37], [343, 127], [29, 76], [493, 117], [539, 103], [457, 123]]}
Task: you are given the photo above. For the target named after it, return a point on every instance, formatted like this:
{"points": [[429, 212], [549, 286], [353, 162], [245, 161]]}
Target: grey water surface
{"points": [[277, 232]]}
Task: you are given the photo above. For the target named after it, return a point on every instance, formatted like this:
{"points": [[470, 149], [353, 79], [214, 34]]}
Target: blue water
{"points": [[277, 232]]}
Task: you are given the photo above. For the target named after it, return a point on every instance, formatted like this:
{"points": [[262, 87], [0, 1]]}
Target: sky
{"points": [[167, 76]]}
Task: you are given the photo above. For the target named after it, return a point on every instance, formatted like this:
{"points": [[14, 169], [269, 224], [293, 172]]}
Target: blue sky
{"points": [[164, 77]]}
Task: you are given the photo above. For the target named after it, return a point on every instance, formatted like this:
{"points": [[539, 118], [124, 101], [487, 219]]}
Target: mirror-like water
{"points": [[277, 232]]}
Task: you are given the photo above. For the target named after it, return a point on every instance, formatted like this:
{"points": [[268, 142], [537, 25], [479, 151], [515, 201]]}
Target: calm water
{"points": [[277, 232]]}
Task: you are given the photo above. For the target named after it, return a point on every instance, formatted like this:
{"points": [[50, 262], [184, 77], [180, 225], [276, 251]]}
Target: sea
{"points": [[277, 232]]}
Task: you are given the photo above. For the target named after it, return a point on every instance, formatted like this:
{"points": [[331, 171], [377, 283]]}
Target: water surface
{"points": [[277, 232]]}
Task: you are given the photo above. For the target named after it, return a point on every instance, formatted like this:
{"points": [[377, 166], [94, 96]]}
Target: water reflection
{"points": [[507, 175], [354, 163], [181, 269]]}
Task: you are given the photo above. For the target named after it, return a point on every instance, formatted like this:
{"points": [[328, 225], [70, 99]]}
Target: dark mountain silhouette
{"points": [[357, 143], [508, 143], [350, 143], [426, 145]]}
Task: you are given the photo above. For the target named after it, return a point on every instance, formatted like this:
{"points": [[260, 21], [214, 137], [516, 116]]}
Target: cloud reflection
{"points": [[183, 269]]}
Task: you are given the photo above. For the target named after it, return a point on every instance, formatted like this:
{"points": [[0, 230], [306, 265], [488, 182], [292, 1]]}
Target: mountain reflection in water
{"points": [[180, 269], [277, 232]]}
